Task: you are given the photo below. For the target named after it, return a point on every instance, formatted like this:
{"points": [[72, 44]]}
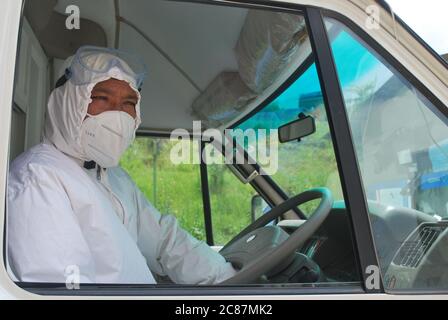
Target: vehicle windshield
{"points": [[304, 164], [399, 136], [311, 162]]}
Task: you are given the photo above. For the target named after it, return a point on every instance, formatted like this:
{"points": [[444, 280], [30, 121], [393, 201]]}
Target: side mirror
{"points": [[258, 206], [297, 129]]}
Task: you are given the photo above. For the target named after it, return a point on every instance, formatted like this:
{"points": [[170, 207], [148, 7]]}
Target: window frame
{"points": [[353, 189], [363, 236]]}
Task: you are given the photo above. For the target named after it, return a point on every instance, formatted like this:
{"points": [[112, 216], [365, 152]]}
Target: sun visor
{"points": [[223, 99], [37, 13], [50, 29], [265, 46]]}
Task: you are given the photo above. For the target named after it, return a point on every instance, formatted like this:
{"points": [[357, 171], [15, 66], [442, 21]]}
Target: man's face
{"points": [[113, 95]]}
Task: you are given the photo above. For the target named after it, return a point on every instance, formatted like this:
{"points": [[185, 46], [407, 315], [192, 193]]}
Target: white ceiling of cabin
{"points": [[166, 96], [198, 38]]}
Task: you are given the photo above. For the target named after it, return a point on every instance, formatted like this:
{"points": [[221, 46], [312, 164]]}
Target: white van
{"points": [[349, 201]]}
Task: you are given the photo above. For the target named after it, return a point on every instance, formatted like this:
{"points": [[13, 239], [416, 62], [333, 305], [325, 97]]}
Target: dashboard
{"points": [[331, 248], [411, 247], [421, 262]]}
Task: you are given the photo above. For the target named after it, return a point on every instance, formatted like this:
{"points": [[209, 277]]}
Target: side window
{"points": [[172, 188], [401, 141]]}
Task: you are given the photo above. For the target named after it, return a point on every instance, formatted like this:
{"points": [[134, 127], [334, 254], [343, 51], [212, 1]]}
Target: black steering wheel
{"points": [[266, 250]]}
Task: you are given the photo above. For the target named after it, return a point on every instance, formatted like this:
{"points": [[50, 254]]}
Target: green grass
{"points": [[176, 189]]}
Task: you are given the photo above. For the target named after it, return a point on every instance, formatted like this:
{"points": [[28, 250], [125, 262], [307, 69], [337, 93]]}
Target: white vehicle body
{"points": [[390, 34]]}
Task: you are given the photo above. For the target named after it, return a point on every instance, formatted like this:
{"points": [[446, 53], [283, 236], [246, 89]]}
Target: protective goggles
{"points": [[91, 62]]}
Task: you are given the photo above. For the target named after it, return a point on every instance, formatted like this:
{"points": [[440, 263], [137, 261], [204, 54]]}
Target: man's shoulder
{"points": [[43, 155], [37, 163]]}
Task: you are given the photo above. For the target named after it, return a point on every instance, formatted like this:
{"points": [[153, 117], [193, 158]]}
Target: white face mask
{"points": [[105, 137]]}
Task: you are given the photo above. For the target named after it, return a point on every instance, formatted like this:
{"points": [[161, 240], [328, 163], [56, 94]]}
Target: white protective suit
{"points": [[63, 217]]}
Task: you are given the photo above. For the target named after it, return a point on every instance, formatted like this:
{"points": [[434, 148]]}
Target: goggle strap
{"points": [[67, 75]]}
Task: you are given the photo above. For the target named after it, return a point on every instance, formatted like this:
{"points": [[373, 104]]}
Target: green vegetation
{"points": [[230, 203], [176, 189], [172, 189], [309, 164]]}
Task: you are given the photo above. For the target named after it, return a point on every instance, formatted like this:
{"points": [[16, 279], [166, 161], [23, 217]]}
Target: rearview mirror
{"points": [[297, 129]]}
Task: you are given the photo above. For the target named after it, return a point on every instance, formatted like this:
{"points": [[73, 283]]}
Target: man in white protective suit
{"points": [[71, 207]]}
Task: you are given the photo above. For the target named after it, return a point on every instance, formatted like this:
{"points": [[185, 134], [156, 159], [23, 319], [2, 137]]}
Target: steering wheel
{"points": [[266, 250]]}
